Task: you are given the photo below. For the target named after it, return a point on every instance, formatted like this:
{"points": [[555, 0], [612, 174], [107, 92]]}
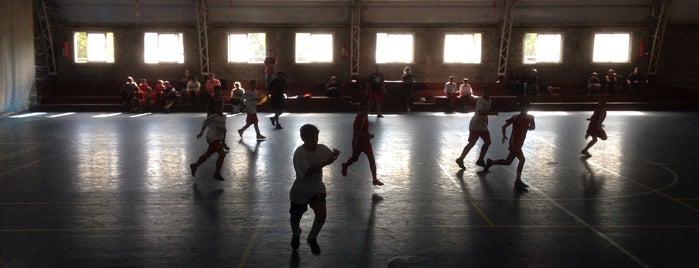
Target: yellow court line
{"points": [[248, 248], [468, 196], [658, 190]]}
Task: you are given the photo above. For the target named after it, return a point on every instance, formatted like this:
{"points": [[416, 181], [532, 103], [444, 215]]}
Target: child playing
{"points": [[361, 142], [214, 137], [250, 97], [478, 128], [521, 123], [594, 128], [308, 188]]}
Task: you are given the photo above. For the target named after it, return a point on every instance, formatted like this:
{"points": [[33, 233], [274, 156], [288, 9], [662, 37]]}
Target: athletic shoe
{"points": [[379, 116], [218, 177], [460, 163], [272, 119], [240, 132], [479, 163], [585, 153], [260, 137], [520, 185], [225, 147], [488, 164], [279, 126], [344, 169], [193, 169], [315, 248]]}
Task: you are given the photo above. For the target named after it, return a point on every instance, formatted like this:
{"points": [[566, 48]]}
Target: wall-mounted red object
{"points": [[66, 49]]}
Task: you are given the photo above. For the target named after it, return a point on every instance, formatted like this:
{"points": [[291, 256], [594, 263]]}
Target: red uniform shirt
{"points": [[520, 125]]}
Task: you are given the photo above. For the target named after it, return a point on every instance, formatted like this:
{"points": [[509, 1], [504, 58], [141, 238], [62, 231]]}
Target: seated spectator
{"points": [[466, 94], [129, 91], [170, 96], [593, 84], [332, 88]]}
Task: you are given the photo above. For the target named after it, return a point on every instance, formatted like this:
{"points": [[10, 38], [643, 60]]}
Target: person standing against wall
{"points": [[276, 98], [408, 87], [376, 90], [270, 68]]}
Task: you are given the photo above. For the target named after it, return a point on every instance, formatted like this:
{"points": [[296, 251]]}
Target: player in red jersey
{"points": [[594, 128], [361, 142], [521, 124]]}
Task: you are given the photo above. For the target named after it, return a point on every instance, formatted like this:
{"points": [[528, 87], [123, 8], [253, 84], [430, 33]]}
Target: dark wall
{"points": [[680, 44]]}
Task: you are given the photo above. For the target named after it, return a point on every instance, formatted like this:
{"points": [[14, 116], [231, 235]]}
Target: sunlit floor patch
{"points": [[60, 115], [27, 115]]}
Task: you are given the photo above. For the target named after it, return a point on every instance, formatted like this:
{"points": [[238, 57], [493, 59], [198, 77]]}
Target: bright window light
{"points": [[93, 47], [312, 47], [611, 47], [462, 48], [163, 47], [540, 48], [250, 47], [394, 48]]}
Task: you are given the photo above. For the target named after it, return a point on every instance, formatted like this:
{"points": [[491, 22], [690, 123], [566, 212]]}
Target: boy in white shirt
{"points": [[250, 98], [214, 137], [308, 188], [478, 128]]}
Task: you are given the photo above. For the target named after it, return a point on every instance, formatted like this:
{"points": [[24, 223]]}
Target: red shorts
{"points": [[376, 96], [251, 119], [473, 135], [215, 146]]}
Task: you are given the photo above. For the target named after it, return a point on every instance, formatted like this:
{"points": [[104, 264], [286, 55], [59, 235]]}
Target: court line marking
{"points": [[465, 193], [594, 230], [597, 232], [251, 243]]}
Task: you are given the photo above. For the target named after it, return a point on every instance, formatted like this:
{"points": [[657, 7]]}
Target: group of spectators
{"points": [[611, 82], [163, 95]]}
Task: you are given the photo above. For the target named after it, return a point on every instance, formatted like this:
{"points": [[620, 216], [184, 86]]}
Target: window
{"points": [[394, 48], [250, 48], [611, 47], [540, 48], [163, 47], [93, 47], [312, 47], [462, 48]]}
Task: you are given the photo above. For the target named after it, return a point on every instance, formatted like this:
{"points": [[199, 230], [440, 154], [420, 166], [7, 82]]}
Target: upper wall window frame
{"points": [[163, 47], [247, 47], [314, 47], [395, 47], [542, 47], [463, 47], [93, 47], [611, 47]]}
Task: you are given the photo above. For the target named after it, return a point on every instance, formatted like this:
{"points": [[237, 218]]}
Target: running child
{"points": [[250, 98], [521, 123], [308, 188], [594, 128], [214, 137], [478, 128], [361, 142]]}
